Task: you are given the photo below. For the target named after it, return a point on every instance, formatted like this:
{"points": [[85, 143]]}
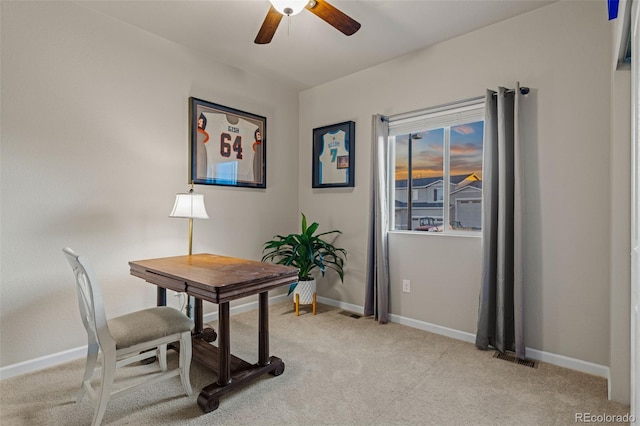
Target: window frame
{"points": [[445, 117]]}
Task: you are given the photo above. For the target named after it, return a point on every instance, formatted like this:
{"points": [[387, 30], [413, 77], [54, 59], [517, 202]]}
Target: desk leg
{"points": [[224, 345], [208, 334], [197, 315], [161, 296], [243, 373], [263, 329]]}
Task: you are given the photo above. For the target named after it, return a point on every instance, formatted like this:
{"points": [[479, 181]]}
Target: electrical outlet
{"points": [[406, 286]]}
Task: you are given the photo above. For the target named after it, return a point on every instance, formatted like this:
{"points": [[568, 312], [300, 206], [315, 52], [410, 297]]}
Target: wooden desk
{"points": [[220, 279]]}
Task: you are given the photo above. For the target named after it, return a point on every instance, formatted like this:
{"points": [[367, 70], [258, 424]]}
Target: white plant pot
{"points": [[306, 290]]}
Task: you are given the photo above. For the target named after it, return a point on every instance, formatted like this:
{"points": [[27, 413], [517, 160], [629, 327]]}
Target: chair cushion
{"points": [[147, 325]]}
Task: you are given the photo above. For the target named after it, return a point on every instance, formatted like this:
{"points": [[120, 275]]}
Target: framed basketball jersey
{"points": [[227, 146], [333, 155]]}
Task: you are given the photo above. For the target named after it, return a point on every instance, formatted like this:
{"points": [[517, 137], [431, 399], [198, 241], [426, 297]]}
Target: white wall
{"points": [[635, 211], [563, 53], [620, 326], [94, 149], [94, 118]]}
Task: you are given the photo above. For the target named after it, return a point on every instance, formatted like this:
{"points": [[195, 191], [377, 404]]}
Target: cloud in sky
{"points": [[465, 149], [463, 129], [465, 152]]}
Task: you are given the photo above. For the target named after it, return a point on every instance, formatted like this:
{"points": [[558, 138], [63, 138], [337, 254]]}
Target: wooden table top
{"points": [[213, 277]]}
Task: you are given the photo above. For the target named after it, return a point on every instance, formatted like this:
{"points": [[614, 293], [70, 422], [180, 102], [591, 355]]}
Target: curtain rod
{"points": [[470, 101], [523, 91]]}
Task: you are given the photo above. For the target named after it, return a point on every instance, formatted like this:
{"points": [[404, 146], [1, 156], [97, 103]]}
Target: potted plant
{"points": [[306, 252]]}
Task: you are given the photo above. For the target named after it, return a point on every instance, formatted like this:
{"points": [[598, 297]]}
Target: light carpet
{"points": [[339, 370]]}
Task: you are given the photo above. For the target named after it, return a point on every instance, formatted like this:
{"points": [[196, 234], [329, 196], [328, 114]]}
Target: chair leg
{"points": [[92, 359], [106, 385], [297, 304], [185, 361], [162, 356]]}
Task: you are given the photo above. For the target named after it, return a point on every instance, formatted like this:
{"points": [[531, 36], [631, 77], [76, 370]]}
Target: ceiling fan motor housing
{"points": [[289, 7]]}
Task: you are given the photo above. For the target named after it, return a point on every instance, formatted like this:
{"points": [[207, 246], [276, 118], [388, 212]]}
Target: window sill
{"points": [[465, 234]]}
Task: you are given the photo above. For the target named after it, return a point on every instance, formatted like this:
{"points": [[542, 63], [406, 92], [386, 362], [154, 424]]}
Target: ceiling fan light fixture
{"points": [[289, 7]]}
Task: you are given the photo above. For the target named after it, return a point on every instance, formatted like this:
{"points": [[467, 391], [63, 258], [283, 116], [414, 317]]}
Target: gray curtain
{"points": [[500, 313], [377, 290]]}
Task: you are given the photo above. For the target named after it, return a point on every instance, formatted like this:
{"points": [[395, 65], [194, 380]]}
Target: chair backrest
{"points": [[89, 299]]}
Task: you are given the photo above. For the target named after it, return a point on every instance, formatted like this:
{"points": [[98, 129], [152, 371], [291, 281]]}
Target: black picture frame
{"points": [[227, 146], [334, 167]]}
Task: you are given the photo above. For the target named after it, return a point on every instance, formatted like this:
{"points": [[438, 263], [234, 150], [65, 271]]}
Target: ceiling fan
{"points": [[320, 8]]}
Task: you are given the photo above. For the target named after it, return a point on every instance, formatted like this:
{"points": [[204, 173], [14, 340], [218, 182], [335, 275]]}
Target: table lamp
{"points": [[190, 206]]}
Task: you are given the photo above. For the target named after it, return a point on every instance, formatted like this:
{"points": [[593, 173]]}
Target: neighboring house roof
{"points": [[469, 180], [418, 182], [439, 181], [424, 182], [474, 186], [459, 178]]}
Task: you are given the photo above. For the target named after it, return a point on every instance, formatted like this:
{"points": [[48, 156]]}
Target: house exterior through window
{"points": [[437, 157]]}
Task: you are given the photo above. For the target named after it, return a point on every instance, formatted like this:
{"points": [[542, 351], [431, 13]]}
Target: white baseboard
{"points": [[534, 354], [342, 305], [567, 362], [42, 362], [80, 352]]}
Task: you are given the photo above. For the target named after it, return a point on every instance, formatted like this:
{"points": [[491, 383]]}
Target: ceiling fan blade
{"points": [[269, 26], [334, 17]]}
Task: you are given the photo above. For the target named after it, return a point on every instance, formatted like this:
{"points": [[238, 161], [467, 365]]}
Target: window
{"points": [[438, 194], [436, 156]]}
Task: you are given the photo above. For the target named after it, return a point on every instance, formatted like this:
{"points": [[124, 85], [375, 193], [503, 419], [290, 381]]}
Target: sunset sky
{"points": [[466, 152]]}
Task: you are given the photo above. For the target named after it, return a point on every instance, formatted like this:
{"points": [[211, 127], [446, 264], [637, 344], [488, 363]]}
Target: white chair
{"points": [[126, 339]]}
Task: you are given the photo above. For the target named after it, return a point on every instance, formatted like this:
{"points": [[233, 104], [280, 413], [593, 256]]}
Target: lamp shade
{"points": [[189, 205], [289, 7]]}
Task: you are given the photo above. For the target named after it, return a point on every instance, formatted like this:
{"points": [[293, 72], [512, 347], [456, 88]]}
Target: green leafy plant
{"points": [[306, 252]]}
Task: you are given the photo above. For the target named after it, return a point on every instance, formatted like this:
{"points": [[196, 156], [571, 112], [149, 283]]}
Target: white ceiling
{"points": [[309, 52]]}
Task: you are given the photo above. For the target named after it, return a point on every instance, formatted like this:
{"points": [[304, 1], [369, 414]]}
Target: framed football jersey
{"points": [[227, 146], [334, 155]]}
